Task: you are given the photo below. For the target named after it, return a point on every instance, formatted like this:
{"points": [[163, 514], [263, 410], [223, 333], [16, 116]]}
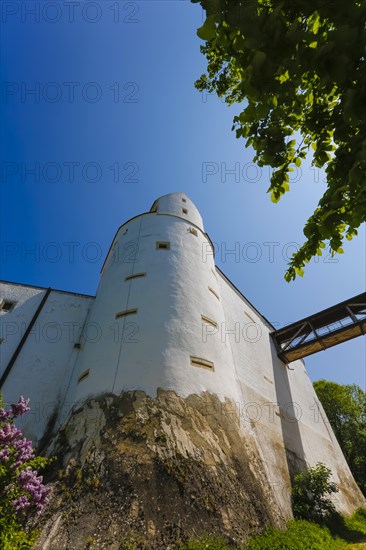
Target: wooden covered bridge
{"points": [[322, 330]]}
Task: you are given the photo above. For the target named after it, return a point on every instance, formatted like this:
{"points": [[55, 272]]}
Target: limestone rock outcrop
{"points": [[141, 472]]}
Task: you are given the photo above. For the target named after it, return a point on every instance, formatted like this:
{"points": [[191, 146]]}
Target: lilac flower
{"points": [[24, 451], [4, 454], [30, 482], [21, 407], [23, 485], [4, 415], [21, 503], [9, 432]]}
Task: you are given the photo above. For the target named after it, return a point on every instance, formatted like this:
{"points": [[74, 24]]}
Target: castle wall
{"points": [[43, 367], [279, 405], [165, 317], [14, 323]]}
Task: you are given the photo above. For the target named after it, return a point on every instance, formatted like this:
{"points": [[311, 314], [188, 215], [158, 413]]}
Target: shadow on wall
{"points": [[293, 445]]}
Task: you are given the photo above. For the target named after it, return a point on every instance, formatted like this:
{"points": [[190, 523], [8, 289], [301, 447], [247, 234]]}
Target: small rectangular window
{"points": [[209, 321], [126, 312], [83, 375], [184, 200], [160, 245], [203, 363], [214, 293], [184, 210], [7, 305], [135, 276], [193, 231]]}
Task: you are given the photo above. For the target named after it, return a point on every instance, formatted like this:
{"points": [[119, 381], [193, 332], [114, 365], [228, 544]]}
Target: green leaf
{"points": [[296, 72], [208, 29], [239, 43], [258, 59], [314, 22], [284, 77]]}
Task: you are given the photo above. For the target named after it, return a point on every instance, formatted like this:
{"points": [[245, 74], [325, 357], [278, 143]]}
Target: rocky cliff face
{"points": [[141, 472]]}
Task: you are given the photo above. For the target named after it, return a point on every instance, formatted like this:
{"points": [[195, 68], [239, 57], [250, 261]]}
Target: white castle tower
{"points": [[158, 311], [165, 317]]}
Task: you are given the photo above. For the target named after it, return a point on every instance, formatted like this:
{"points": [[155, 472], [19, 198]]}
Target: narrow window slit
{"points": [[125, 313], [83, 375], [203, 363], [6, 305], [214, 293], [135, 276], [209, 321], [161, 245]]}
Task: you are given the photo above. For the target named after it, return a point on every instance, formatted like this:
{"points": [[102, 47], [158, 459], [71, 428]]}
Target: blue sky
{"points": [[100, 117]]}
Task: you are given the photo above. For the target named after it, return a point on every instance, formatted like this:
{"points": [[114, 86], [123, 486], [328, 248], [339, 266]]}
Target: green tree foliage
{"points": [[299, 68], [345, 407], [311, 493]]}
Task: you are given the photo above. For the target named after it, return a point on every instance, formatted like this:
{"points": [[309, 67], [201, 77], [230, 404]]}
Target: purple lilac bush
{"points": [[21, 488]]}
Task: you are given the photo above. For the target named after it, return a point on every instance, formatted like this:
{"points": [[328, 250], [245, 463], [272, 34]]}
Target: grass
{"points": [[339, 533], [300, 534], [351, 529]]}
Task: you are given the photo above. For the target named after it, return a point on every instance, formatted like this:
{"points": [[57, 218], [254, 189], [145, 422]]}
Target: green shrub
{"points": [[300, 535], [12, 536], [311, 492]]}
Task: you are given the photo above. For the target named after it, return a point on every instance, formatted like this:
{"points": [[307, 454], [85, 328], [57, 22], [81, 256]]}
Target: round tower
{"points": [[157, 318]]}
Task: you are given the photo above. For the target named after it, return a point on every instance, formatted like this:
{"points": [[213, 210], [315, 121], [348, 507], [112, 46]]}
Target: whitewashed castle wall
{"points": [[43, 367], [151, 348], [278, 404]]}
